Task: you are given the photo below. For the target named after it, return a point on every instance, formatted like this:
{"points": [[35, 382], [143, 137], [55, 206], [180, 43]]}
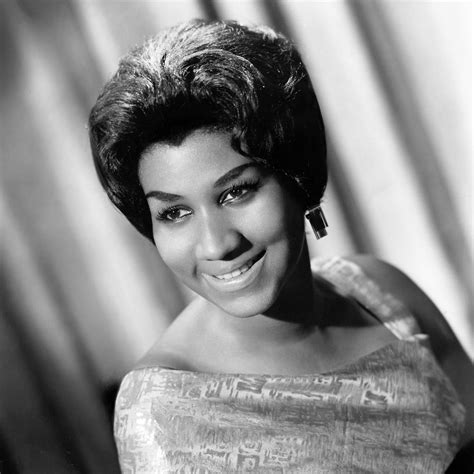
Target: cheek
{"points": [[274, 219], [174, 251]]}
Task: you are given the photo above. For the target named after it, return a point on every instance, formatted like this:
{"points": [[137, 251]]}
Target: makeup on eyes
{"points": [[166, 214], [247, 185]]}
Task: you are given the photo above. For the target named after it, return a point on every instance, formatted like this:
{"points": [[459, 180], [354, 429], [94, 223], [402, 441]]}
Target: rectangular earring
{"points": [[318, 221]]}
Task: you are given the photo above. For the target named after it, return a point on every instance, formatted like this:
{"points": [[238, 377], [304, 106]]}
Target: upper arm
{"points": [[448, 351]]}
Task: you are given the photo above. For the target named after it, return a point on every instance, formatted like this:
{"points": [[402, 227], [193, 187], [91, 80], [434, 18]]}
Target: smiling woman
{"points": [[233, 234], [210, 140]]}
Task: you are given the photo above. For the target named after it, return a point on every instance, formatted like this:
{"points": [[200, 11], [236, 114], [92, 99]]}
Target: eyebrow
{"points": [[222, 181], [232, 174]]}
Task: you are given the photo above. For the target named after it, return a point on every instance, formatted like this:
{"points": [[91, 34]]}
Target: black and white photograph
{"points": [[237, 236]]}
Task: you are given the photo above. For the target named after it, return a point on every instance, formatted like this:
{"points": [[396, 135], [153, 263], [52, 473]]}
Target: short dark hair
{"points": [[218, 75]]}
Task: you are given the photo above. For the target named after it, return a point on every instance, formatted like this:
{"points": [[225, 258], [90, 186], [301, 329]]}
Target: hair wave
{"points": [[218, 75]]}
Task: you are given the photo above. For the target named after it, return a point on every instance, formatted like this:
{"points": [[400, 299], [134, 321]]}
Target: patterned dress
{"points": [[391, 411]]}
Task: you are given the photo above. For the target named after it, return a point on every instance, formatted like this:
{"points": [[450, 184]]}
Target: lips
{"points": [[239, 277], [238, 271]]}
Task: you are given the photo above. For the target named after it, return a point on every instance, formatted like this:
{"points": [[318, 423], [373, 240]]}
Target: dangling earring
{"points": [[318, 221]]}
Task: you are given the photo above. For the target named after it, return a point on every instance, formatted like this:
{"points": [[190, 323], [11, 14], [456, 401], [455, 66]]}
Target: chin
{"points": [[260, 298], [247, 306]]}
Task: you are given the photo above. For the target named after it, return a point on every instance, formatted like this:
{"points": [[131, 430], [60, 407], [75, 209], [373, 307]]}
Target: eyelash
{"points": [[249, 186]]}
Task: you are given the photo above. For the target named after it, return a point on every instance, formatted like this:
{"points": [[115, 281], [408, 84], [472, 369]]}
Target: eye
{"points": [[239, 191], [234, 193], [173, 214]]}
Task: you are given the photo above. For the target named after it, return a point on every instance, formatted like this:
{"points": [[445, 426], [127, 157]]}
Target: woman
{"points": [[210, 140]]}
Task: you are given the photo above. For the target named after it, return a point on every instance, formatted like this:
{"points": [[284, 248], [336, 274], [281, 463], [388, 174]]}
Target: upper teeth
{"points": [[235, 273]]}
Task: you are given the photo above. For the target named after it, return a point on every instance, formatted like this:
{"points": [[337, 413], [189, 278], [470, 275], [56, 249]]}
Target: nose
{"points": [[218, 238]]}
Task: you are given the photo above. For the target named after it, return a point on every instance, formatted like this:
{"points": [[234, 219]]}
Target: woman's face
{"points": [[223, 224]]}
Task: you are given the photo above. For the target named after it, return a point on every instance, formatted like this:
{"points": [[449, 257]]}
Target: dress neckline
{"points": [[397, 344]]}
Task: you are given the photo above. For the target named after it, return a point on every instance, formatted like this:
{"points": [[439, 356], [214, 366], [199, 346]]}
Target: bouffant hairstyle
{"points": [[216, 75]]}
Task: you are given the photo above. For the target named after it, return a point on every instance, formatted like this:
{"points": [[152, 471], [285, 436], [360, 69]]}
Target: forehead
{"points": [[203, 156]]}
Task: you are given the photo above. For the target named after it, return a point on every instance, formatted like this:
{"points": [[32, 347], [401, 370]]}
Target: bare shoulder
{"points": [[172, 350], [446, 347]]}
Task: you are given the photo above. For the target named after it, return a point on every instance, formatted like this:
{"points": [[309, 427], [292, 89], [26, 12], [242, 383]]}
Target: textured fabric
{"points": [[393, 410]]}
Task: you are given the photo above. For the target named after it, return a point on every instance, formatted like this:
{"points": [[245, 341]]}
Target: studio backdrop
{"points": [[84, 295]]}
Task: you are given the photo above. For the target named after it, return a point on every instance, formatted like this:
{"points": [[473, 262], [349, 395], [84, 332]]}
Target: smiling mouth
{"points": [[237, 279], [239, 271]]}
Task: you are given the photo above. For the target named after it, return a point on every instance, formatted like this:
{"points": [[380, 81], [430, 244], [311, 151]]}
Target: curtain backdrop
{"points": [[84, 296]]}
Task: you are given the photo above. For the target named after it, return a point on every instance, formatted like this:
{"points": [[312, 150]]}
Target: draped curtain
{"points": [[84, 296]]}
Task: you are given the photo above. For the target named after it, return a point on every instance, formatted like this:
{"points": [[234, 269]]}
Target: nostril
{"points": [[221, 244]]}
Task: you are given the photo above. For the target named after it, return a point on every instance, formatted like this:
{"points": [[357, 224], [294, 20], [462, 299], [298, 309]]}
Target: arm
{"points": [[447, 349]]}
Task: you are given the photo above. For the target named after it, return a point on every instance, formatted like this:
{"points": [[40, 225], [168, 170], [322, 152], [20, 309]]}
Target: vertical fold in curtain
{"points": [[373, 21]]}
